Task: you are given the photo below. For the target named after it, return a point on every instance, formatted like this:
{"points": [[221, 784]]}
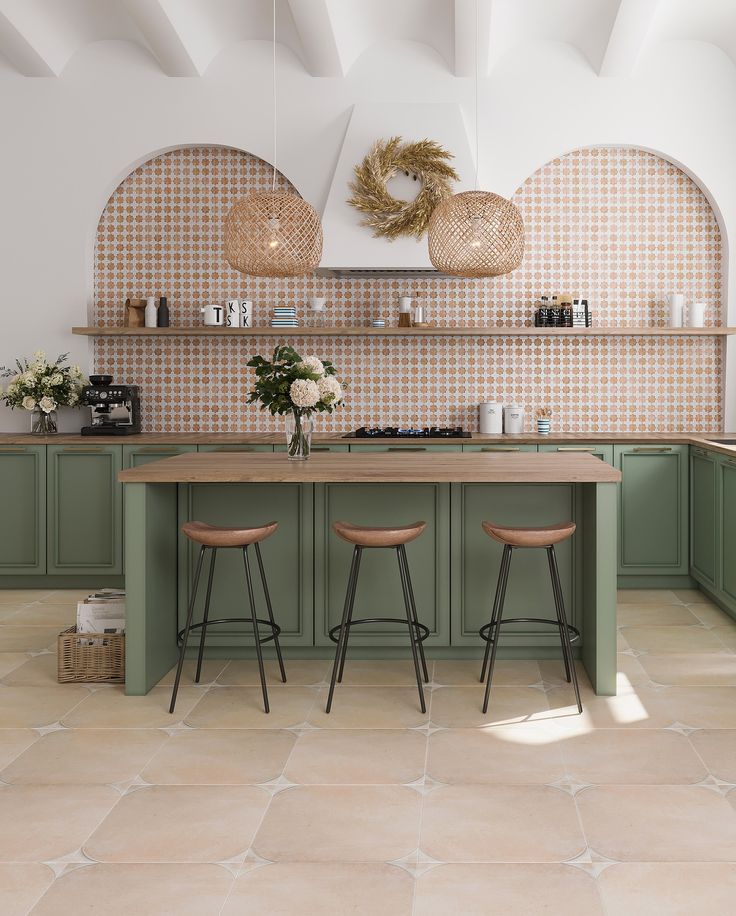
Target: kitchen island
{"points": [[454, 563]]}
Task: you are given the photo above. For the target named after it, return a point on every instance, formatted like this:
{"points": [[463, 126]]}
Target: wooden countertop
{"points": [[376, 467]]}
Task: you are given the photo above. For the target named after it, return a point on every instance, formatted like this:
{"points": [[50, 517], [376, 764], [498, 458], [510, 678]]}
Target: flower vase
{"points": [[298, 437], [42, 423]]}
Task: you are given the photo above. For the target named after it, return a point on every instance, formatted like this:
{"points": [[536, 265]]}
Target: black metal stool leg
{"points": [[412, 631], [505, 556], [560, 622], [344, 653], [557, 588], [200, 654], [269, 608], [495, 628], [412, 602], [185, 637], [256, 634], [347, 608]]}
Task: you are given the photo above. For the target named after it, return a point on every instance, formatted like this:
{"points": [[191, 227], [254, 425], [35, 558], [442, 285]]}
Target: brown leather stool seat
{"points": [[530, 537], [363, 536], [214, 536]]}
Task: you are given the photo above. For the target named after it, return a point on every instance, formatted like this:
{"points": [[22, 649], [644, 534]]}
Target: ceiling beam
{"points": [[316, 29], [628, 35], [24, 41], [468, 38], [175, 53]]}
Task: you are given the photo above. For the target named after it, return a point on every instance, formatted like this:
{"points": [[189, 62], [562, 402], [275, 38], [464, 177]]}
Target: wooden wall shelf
{"points": [[485, 331]]}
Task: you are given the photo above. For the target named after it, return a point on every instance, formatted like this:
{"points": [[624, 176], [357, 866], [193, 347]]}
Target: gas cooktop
{"points": [[407, 432]]}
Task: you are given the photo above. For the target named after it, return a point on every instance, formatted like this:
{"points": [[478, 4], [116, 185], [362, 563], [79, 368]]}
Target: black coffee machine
{"points": [[116, 409]]}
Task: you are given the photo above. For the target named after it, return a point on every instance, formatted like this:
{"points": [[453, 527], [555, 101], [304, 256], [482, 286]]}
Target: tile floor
{"points": [[111, 806]]}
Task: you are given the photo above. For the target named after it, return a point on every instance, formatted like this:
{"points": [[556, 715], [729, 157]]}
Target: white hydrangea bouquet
{"points": [[41, 387], [295, 387]]}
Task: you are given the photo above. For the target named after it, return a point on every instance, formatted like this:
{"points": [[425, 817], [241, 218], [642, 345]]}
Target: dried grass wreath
{"points": [[386, 215]]}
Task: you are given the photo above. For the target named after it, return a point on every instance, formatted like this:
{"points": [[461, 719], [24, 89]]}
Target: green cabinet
{"points": [[136, 455], [84, 506], [412, 447], [23, 502], [599, 450], [331, 447], [235, 448], [653, 509], [727, 529], [704, 516], [499, 448], [379, 591]]}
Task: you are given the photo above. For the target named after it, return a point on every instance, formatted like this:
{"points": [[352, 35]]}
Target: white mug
{"points": [[213, 315], [317, 303], [232, 313], [675, 303], [490, 418], [696, 315], [513, 419], [246, 313]]}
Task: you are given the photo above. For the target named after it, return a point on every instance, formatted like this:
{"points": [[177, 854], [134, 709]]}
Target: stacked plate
{"points": [[284, 316]]}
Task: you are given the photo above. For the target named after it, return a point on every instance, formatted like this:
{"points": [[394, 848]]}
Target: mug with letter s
{"points": [[246, 313], [232, 313], [213, 315]]}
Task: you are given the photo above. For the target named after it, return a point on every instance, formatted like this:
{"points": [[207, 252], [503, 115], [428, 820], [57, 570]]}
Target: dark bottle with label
{"points": [[163, 313]]}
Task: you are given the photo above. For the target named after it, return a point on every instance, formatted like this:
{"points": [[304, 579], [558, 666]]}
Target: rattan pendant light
{"points": [[273, 233], [476, 233]]}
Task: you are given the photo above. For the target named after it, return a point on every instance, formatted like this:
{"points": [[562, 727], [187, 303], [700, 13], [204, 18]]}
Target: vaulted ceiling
{"points": [[38, 38]]}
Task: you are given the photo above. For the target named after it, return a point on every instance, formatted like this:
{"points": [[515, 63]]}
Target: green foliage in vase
{"points": [[289, 383]]}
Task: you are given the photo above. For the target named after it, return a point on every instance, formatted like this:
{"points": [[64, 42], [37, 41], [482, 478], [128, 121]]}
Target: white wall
{"points": [[65, 143]]}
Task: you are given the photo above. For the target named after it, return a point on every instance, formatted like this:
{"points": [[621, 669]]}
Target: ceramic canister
{"points": [[490, 418], [513, 419], [696, 315], [676, 304]]}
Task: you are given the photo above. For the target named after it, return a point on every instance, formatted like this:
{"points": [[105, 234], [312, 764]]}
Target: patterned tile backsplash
{"points": [[619, 226]]}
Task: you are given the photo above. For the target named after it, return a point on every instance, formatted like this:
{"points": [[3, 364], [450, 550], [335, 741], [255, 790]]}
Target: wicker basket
{"points": [[102, 663]]}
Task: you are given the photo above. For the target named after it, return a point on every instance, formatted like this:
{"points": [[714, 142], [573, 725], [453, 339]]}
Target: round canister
{"points": [[490, 418], [513, 419]]}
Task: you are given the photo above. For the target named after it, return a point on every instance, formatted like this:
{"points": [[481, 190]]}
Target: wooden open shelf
{"points": [[484, 331]]}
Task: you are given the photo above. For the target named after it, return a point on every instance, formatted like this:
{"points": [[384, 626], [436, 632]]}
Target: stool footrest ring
{"points": [[421, 630], [485, 630], [274, 627]]}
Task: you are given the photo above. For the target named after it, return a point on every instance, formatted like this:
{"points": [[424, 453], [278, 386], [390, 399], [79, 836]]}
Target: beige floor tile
{"points": [[220, 757], [692, 596], [675, 640], [340, 824], [43, 615], [520, 672], [37, 671], [552, 671], [13, 741], [43, 823], [22, 595], [316, 889], [85, 756], [727, 635], [68, 596], [7, 611], [34, 707], [146, 890], [299, 672], [647, 596], [110, 708], [632, 757], [717, 747], [27, 639], [21, 886], [711, 615], [9, 661], [702, 707], [179, 824], [658, 823], [242, 707], [630, 672], [370, 707], [209, 673], [655, 615], [462, 707], [691, 670], [500, 824], [360, 756], [363, 673], [621, 643], [635, 707], [669, 889], [506, 890], [528, 753]]}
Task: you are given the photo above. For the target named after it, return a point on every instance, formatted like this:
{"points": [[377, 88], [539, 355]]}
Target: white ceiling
{"points": [[39, 37]]}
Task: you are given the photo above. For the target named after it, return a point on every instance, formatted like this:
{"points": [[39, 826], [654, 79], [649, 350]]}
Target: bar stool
{"points": [[213, 538], [512, 539], [362, 538]]}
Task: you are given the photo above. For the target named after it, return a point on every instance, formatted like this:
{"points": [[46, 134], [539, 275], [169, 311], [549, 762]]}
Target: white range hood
{"points": [[350, 248]]}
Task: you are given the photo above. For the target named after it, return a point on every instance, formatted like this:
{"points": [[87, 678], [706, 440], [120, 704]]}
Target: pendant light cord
{"points": [[476, 96], [273, 87]]}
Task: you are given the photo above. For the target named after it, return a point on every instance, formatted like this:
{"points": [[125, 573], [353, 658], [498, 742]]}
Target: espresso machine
{"points": [[115, 409]]}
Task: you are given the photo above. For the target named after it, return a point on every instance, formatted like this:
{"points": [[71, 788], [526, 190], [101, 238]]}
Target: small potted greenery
{"points": [[295, 387], [40, 387]]}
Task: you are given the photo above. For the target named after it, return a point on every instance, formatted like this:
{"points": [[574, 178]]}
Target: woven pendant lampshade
{"points": [[476, 234], [273, 234]]}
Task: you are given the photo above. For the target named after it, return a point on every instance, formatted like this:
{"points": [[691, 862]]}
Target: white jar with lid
{"points": [[490, 418], [513, 419]]}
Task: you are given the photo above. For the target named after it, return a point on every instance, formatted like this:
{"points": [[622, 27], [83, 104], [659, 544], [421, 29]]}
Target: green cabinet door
{"points": [[235, 448], [727, 552], [500, 447], [653, 509], [287, 558], [84, 504], [602, 451], [413, 447], [703, 516], [476, 559], [136, 455], [324, 447], [379, 591], [23, 510]]}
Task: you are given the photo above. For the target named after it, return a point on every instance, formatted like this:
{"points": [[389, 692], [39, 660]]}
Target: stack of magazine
{"points": [[102, 612]]}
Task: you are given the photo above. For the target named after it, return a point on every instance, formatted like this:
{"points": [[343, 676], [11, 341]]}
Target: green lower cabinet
{"points": [[332, 447], [727, 529], [354, 447], [653, 509], [136, 455], [84, 507], [499, 448], [704, 516], [476, 560], [602, 451], [287, 558], [235, 448], [23, 509], [379, 591]]}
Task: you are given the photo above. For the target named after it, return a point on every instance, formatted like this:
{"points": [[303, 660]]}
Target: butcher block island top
{"points": [[344, 467]]}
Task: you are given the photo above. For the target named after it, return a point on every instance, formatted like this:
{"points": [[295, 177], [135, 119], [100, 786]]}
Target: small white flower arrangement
{"points": [[40, 386]]}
